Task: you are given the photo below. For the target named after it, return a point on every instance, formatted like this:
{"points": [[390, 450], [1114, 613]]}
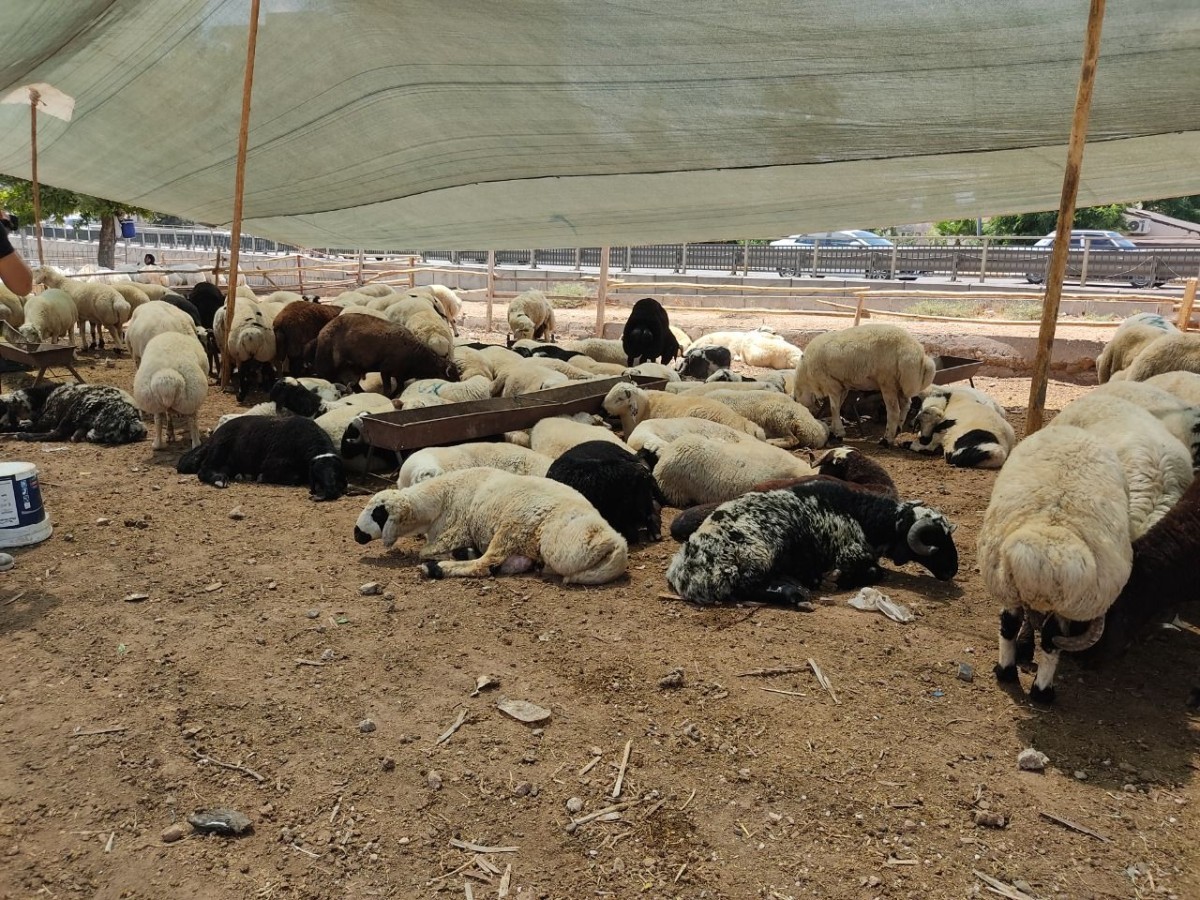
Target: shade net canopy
{"points": [[544, 123]]}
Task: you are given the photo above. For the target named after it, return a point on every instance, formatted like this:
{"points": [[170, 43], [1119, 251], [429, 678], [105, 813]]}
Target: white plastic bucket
{"points": [[23, 519]]}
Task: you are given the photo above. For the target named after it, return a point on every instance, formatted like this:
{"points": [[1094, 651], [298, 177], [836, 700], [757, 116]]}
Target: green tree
{"points": [[16, 195], [1186, 208], [958, 227]]}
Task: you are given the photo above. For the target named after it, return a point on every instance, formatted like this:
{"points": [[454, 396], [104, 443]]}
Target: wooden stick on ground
{"points": [[583, 820], [822, 680], [114, 730], [999, 887], [616, 791], [502, 892], [462, 717], [479, 848], [776, 670], [201, 758], [1067, 823]]}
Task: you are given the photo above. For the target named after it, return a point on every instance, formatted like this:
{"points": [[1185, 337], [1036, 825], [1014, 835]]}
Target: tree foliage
{"points": [[1186, 208], [16, 195], [1109, 218]]}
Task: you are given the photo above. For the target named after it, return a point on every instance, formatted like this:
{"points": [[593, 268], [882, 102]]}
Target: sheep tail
{"points": [[168, 388], [1048, 563]]}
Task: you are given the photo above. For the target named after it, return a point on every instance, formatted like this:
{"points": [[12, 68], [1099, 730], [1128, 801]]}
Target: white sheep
{"points": [[436, 391], [784, 382], [449, 302], [682, 337], [153, 292], [251, 342], [339, 414], [516, 520], [1157, 465], [652, 370], [1178, 352], [424, 318], [12, 308], [135, 294], [376, 289], [604, 370], [152, 319], [601, 350], [634, 405], [1184, 385], [780, 416], [171, 382], [49, 316], [554, 436], [358, 310], [704, 388], [1128, 340], [762, 349], [1179, 416], [882, 358], [531, 316], [96, 303], [693, 469], [653, 434], [1055, 539], [433, 462], [966, 426], [525, 377]]}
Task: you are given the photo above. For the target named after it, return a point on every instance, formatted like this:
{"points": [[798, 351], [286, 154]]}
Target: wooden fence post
{"points": [[299, 274], [602, 291], [1185, 304], [491, 286], [412, 275]]}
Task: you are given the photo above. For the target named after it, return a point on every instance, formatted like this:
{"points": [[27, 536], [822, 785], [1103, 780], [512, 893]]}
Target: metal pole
{"points": [[1087, 250], [239, 191], [1066, 215], [34, 97]]}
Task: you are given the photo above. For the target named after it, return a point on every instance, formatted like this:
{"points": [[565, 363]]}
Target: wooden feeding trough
{"points": [[471, 420], [16, 349]]}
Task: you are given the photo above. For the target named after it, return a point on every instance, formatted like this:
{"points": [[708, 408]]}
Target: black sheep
{"points": [[275, 450], [207, 298], [188, 307], [779, 545], [648, 334], [98, 413], [616, 483], [289, 395], [551, 351]]}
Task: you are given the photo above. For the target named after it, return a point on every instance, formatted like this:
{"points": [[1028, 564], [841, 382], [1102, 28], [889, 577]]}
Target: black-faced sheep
{"points": [[779, 545], [647, 334], [350, 346], [617, 484], [290, 450], [296, 327], [968, 432], [1055, 544], [701, 362], [518, 520], [96, 413], [842, 464], [864, 357]]}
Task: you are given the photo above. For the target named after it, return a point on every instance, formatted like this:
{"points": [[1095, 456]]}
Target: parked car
{"points": [[834, 239], [1096, 239]]}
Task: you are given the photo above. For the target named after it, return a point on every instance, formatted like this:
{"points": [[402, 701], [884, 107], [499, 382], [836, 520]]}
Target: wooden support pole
{"points": [[34, 98], [412, 274], [239, 191], [300, 275], [491, 286], [1066, 216], [601, 291], [360, 268], [1185, 304], [858, 308]]}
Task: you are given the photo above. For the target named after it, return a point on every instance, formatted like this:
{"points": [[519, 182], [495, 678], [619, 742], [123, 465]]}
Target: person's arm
{"points": [[14, 272]]}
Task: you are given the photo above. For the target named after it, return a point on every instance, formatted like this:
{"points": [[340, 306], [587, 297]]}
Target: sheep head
{"points": [[924, 535], [932, 414], [384, 518]]}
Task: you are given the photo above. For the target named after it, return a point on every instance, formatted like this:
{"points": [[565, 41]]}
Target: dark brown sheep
{"points": [[296, 327], [844, 465], [350, 346]]}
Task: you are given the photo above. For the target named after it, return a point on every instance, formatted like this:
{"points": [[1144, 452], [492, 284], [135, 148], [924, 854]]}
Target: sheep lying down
{"points": [[520, 520]]}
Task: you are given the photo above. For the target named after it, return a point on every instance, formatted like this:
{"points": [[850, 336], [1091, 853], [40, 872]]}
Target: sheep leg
{"points": [[1046, 656], [892, 402], [158, 431], [280, 470], [493, 560], [836, 429], [170, 428], [1010, 627], [450, 539], [97, 335], [194, 430], [114, 332]]}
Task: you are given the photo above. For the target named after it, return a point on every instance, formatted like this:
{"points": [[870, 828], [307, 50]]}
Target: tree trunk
{"points": [[107, 254]]}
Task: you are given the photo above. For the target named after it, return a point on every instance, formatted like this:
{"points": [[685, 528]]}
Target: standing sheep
{"points": [[251, 344], [96, 304], [1055, 543], [350, 346], [864, 358], [531, 315], [171, 382], [296, 327], [517, 521], [423, 316], [647, 334], [152, 319], [49, 316]]}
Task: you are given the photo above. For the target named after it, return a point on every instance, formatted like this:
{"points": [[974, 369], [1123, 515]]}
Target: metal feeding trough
{"points": [[955, 368], [16, 349], [454, 423]]}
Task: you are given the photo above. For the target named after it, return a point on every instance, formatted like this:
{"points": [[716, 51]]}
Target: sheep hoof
{"points": [[433, 570], [1006, 674], [1044, 696], [884, 442]]}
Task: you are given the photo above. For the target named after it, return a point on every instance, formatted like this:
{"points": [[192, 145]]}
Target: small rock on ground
{"points": [[371, 588], [173, 833], [6, 562], [366, 726], [1031, 760], [574, 805], [434, 780]]}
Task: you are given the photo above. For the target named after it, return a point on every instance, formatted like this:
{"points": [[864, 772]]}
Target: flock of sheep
{"points": [[1092, 520]]}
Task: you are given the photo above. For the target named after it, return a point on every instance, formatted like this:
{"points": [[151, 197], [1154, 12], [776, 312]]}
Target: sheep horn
{"points": [[915, 543], [1095, 630]]}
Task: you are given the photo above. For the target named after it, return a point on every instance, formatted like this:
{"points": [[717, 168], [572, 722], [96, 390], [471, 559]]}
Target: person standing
{"points": [[14, 271]]}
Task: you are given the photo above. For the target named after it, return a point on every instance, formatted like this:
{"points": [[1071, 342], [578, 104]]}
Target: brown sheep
{"points": [[296, 327], [351, 346]]}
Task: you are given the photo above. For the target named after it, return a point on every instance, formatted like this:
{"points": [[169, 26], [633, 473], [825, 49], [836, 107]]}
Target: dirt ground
{"points": [[256, 650]]}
